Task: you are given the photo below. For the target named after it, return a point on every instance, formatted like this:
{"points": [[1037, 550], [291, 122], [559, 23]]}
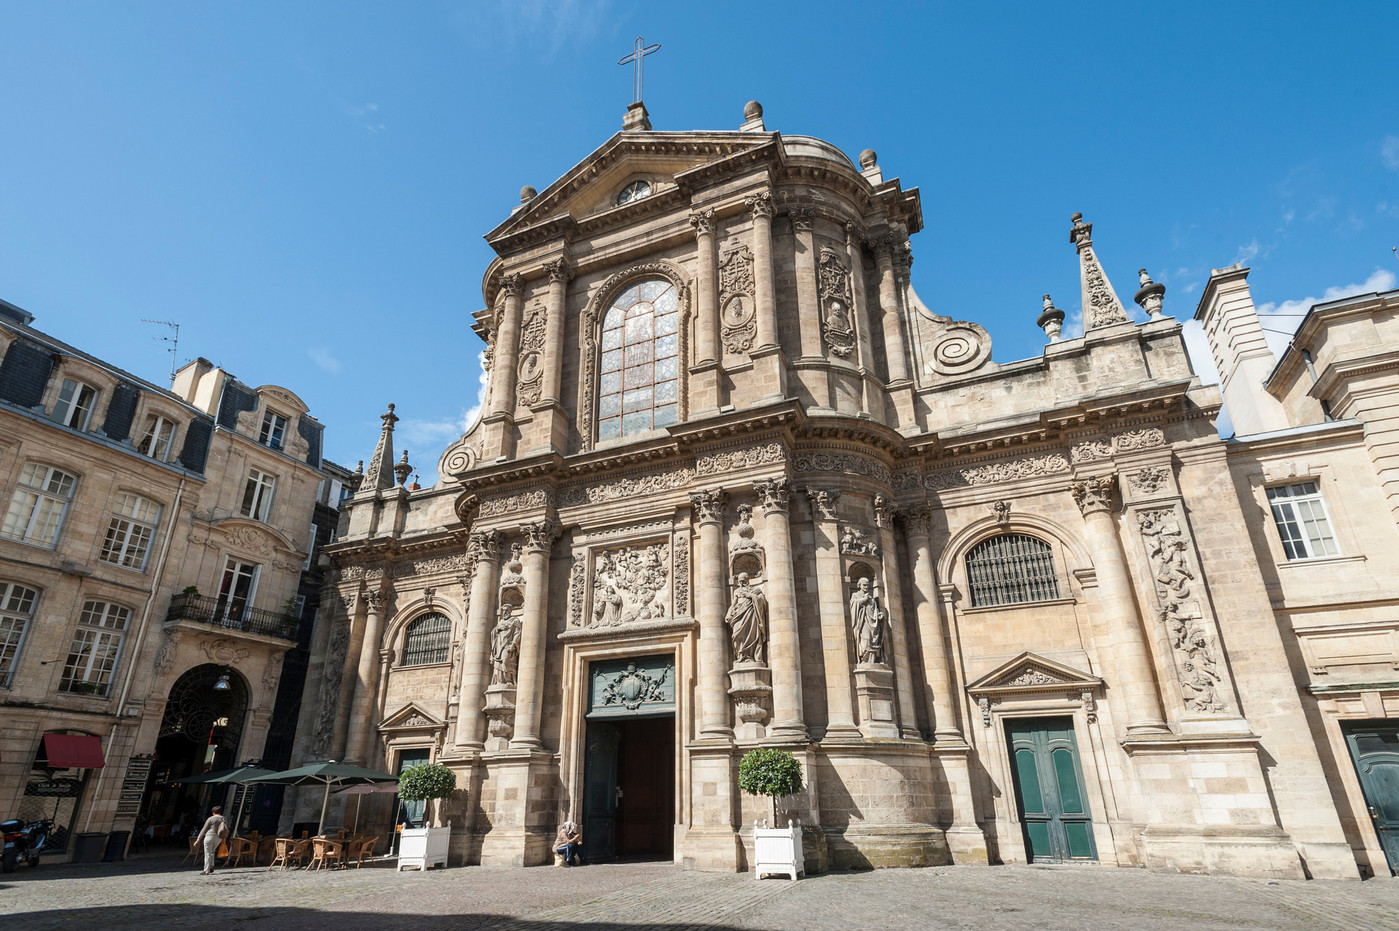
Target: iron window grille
{"points": [[1012, 568], [428, 640]]}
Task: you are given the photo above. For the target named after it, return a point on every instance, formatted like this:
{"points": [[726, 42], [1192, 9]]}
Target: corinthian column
{"points": [[894, 607], [476, 652], [559, 275], [529, 694], [784, 656], [1132, 674], [889, 307], [938, 697], [713, 640], [764, 294], [835, 638], [707, 327], [808, 287], [504, 361], [362, 711]]}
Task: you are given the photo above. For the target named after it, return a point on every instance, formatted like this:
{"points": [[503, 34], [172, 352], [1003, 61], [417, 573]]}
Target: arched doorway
{"points": [[200, 732]]}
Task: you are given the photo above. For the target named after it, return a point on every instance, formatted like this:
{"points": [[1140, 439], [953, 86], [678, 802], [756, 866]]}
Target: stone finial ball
{"points": [[527, 194], [868, 158], [752, 110]]}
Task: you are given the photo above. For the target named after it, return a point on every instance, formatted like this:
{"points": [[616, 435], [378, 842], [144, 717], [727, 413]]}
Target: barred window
{"points": [[129, 534], [1300, 515], [39, 503], [16, 610], [428, 640], [96, 645], [1012, 568]]}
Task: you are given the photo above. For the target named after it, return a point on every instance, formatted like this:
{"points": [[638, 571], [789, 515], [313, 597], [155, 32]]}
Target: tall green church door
{"points": [[1375, 750], [1049, 790]]}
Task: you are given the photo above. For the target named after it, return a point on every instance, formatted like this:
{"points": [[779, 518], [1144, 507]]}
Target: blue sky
{"points": [[304, 186]]}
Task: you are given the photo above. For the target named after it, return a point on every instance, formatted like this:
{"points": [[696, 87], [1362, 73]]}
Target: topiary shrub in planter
{"points": [[426, 846], [776, 774]]}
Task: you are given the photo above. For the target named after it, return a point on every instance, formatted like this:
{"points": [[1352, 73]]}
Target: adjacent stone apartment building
{"points": [[152, 545]]}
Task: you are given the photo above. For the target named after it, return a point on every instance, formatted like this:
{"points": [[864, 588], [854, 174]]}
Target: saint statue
{"points": [[867, 619], [505, 647], [748, 622]]}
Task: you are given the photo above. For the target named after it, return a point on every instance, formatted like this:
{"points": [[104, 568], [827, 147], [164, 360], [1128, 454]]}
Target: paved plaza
{"points": [[153, 892]]}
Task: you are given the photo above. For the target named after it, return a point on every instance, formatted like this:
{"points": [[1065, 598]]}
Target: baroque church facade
{"points": [[734, 485]]}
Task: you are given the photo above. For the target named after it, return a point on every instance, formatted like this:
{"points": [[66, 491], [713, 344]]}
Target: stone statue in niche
{"points": [[631, 584], [748, 622], [867, 620], [505, 647]]}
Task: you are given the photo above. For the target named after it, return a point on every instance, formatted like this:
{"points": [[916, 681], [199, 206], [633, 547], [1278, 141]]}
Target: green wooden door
{"points": [[1049, 790], [600, 790], [1375, 750]]}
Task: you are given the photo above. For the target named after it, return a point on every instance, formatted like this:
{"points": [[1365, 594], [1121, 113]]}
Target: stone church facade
{"points": [[734, 485]]}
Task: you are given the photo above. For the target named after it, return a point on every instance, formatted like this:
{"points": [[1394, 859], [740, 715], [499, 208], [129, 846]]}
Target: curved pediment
{"points": [[1030, 672], [253, 536]]}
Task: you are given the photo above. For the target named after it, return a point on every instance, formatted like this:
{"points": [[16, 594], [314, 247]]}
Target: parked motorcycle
{"points": [[23, 842]]}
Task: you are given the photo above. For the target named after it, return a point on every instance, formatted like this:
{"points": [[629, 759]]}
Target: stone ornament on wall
{"points": [[505, 647], [740, 458], [620, 489], [844, 462], [833, 286], [631, 688], [524, 501], [577, 588], [708, 504], [1149, 480], [1101, 448], [745, 553], [630, 584], [682, 574], [997, 472], [738, 314], [954, 347], [857, 542], [774, 494], [747, 620], [513, 576], [165, 656], [224, 652], [530, 375], [823, 502], [1094, 494], [1179, 609], [329, 698], [867, 623], [1100, 305]]}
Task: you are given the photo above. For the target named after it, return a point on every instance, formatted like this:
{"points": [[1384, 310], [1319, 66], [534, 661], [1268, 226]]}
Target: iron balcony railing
{"points": [[202, 609]]}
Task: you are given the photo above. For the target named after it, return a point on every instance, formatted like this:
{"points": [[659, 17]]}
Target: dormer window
{"points": [[155, 440], [634, 191], [274, 427], [75, 403]]}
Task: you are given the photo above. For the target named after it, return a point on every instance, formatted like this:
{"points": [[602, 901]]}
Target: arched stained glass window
{"points": [[428, 640], [1012, 568], [639, 375]]}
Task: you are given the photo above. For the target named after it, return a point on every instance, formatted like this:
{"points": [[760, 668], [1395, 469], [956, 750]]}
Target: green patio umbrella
{"points": [[238, 775], [327, 774]]}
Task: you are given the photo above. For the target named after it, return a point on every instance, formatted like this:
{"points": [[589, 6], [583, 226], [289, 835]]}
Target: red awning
{"points": [[73, 751]]}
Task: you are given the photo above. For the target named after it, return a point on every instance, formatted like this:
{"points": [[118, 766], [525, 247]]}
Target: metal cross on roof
{"points": [[638, 53]]}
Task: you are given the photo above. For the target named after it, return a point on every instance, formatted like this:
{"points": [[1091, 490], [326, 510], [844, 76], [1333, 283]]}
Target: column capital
{"points": [[760, 204], [884, 512], [709, 505], [703, 222], [884, 245], [774, 494], [559, 270], [1094, 494], [854, 234], [374, 598], [510, 285], [823, 502], [917, 519], [540, 535], [485, 545]]}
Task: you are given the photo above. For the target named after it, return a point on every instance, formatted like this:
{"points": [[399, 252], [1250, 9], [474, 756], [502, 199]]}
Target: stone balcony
{"points": [[218, 613]]}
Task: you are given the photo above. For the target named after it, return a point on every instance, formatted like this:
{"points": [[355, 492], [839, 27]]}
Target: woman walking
{"points": [[211, 835]]}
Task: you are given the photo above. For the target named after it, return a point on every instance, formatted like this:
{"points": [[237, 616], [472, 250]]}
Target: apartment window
{"points": [[16, 611], [310, 547], [274, 428], [1302, 523], [155, 439], [38, 505], [96, 645], [257, 494], [237, 590], [428, 640], [1012, 568], [75, 402], [129, 534]]}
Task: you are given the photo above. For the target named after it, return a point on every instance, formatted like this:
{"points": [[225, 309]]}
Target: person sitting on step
{"points": [[568, 843]]}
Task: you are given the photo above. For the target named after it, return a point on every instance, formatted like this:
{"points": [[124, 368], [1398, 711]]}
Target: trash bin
{"points": [[116, 846], [87, 848]]}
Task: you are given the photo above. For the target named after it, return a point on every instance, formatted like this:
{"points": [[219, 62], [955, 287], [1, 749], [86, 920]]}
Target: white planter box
{"points": [[423, 848], [778, 851]]}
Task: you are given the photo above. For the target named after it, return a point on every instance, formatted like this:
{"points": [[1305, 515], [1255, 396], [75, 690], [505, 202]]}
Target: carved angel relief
{"points": [[630, 584], [738, 314], [833, 281]]}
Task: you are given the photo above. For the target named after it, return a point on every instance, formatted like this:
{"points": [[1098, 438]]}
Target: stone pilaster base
{"points": [[517, 802], [500, 715], [965, 838], [1236, 850], [874, 685], [875, 846], [710, 848], [770, 371], [750, 686]]}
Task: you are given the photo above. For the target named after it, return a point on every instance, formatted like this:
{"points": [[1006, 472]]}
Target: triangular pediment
{"points": [[590, 188], [1030, 672], [411, 716]]}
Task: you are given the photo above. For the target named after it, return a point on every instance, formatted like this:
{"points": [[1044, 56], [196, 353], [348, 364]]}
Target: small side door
{"points": [[1374, 748], [600, 791], [1049, 794]]}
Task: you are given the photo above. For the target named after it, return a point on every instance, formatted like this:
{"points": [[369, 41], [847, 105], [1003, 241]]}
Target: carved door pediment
{"points": [[1029, 673], [411, 717]]}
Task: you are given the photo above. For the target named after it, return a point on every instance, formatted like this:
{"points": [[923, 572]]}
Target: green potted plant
{"points": [[776, 774], [426, 846]]}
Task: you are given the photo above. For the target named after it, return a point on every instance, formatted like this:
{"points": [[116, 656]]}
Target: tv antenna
{"points": [[173, 340]]}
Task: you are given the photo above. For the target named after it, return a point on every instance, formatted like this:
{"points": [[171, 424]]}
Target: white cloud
{"points": [[544, 25], [431, 437], [1249, 252], [1389, 152], [324, 360]]}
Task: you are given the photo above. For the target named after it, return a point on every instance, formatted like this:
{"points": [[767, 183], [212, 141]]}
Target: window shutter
{"points": [[24, 374], [196, 449], [121, 411]]}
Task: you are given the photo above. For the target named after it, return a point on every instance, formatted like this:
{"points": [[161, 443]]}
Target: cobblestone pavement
{"points": [[154, 893]]}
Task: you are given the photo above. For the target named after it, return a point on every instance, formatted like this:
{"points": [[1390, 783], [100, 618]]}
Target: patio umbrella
{"points": [[329, 773], [237, 775], [365, 789]]}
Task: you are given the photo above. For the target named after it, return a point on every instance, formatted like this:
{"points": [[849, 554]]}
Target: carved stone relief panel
{"points": [[630, 584], [737, 312], [837, 321], [530, 375]]}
